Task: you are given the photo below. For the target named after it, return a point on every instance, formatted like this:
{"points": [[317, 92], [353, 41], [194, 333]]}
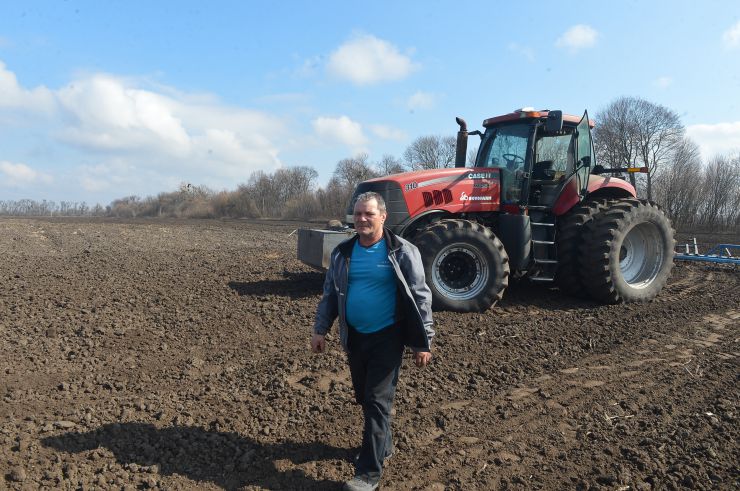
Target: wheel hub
{"points": [[458, 272], [641, 255]]}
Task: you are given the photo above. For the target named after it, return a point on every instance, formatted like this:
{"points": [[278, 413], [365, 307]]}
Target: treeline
{"points": [[29, 207], [289, 193], [629, 132], [699, 196]]}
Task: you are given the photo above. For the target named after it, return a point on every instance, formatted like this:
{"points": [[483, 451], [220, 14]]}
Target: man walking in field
{"points": [[375, 285]]}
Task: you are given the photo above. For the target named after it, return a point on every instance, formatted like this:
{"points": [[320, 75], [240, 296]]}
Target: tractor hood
{"points": [[422, 177], [454, 190]]}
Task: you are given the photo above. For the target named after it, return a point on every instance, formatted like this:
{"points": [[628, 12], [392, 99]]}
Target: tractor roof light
{"points": [[530, 112]]}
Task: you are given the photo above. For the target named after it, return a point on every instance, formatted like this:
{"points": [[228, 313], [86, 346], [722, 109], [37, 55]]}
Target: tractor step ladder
{"points": [[543, 244]]}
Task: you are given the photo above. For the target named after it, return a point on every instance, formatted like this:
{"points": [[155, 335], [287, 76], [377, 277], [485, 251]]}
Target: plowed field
{"points": [[174, 354]]}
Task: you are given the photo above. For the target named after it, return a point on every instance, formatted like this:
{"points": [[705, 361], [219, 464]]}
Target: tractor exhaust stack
{"points": [[461, 149]]}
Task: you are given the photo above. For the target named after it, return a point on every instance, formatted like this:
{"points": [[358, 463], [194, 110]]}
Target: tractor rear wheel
{"points": [[465, 264], [569, 238], [627, 252]]}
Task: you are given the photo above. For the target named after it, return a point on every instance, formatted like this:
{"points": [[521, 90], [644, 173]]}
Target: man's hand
{"points": [[318, 343], [422, 358]]}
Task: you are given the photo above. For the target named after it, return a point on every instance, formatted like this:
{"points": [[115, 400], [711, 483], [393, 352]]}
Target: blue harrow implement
{"points": [[721, 253]]}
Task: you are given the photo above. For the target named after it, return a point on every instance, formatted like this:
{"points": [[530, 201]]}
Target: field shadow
{"points": [[226, 459], [293, 285], [522, 292]]}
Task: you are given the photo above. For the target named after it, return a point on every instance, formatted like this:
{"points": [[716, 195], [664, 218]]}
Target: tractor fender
{"points": [[408, 227], [598, 187]]}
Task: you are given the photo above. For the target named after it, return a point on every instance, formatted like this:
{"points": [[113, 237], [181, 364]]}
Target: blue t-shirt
{"points": [[371, 293]]}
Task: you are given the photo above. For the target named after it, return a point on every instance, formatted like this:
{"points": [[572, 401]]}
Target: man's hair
{"points": [[372, 195]]}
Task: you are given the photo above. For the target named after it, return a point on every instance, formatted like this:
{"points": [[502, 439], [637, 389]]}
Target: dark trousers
{"points": [[374, 363]]}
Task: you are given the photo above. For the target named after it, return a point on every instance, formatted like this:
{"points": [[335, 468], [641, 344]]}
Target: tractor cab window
{"points": [[505, 147], [554, 155]]}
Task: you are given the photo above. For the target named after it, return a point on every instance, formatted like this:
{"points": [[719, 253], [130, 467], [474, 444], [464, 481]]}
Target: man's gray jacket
{"points": [[413, 299]]}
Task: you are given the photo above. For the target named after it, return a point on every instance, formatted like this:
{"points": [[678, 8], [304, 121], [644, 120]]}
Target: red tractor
{"points": [[535, 205]]}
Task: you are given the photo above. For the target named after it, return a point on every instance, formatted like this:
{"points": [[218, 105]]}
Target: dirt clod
{"points": [[17, 474]]}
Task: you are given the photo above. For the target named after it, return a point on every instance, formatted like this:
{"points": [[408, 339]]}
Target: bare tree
{"points": [[615, 138], [243, 202], [676, 186], [234, 204], [635, 132], [347, 175], [431, 152], [388, 165], [352, 171], [472, 154], [720, 190], [126, 207], [289, 184], [271, 192], [303, 179], [733, 204], [334, 199], [263, 190]]}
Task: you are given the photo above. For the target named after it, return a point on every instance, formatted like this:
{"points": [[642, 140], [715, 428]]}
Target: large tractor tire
{"points": [[466, 265], [569, 238], [627, 252]]}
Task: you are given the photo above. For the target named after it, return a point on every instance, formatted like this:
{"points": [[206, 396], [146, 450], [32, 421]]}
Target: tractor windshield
{"points": [[505, 146]]}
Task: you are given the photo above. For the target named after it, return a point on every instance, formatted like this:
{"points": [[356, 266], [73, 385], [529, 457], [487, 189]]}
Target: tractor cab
{"points": [[539, 154]]}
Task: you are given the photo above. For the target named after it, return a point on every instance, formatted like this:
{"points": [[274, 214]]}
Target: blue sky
{"points": [[100, 100]]}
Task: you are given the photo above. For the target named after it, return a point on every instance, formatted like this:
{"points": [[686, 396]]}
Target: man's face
{"points": [[369, 220]]}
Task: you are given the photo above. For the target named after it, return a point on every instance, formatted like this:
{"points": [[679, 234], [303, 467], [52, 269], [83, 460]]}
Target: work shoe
{"points": [[358, 483]]}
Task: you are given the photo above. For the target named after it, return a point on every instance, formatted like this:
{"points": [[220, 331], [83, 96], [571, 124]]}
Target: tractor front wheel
{"points": [[627, 252], [466, 265]]}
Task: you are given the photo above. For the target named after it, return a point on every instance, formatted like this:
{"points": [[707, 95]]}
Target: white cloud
{"points": [[20, 175], [420, 100], [524, 51], [716, 139], [577, 37], [13, 96], [387, 132], [663, 82], [731, 37], [150, 135], [111, 116], [341, 129], [117, 173], [367, 60]]}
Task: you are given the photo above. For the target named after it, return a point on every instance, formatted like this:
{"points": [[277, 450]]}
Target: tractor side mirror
{"points": [[554, 122]]}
